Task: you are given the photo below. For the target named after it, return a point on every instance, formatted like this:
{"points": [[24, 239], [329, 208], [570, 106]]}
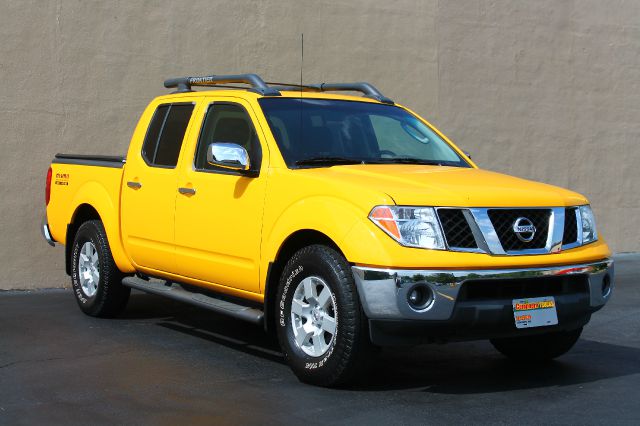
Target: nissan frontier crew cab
{"points": [[341, 222]]}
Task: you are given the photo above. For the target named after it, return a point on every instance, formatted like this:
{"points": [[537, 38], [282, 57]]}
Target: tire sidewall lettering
{"points": [[285, 291], [75, 282], [284, 320]]}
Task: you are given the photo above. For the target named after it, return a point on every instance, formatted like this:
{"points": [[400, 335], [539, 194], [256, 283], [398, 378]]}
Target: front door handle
{"points": [[187, 191], [134, 185]]}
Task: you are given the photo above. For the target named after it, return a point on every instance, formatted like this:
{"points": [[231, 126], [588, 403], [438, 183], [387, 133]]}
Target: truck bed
{"points": [[92, 180]]}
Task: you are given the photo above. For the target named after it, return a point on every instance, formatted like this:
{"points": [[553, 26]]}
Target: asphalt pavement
{"points": [[166, 363]]}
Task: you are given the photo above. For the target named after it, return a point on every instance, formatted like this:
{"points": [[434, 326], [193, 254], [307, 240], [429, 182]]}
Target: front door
{"points": [[218, 211]]}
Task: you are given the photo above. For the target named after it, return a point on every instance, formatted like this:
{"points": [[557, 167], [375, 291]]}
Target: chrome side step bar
{"points": [[175, 292]]}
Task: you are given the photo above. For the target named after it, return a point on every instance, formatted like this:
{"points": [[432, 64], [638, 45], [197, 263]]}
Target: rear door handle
{"points": [[134, 185], [187, 191]]}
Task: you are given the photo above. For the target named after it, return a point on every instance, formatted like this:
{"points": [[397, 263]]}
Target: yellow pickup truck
{"points": [[341, 222]]}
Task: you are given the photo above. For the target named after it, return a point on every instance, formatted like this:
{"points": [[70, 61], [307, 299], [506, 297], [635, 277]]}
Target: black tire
{"points": [[348, 349], [111, 296], [537, 348]]}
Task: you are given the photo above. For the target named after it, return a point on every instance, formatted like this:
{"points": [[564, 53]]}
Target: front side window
{"points": [[164, 137], [319, 132], [227, 123]]}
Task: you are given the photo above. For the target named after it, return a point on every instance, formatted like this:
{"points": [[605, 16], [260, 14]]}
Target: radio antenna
{"points": [[300, 102], [301, 59]]}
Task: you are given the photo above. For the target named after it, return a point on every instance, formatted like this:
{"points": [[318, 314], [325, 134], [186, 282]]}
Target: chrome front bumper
{"points": [[384, 292]]}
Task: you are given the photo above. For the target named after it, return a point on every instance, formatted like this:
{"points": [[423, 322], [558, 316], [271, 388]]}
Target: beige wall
{"points": [[547, 90]]}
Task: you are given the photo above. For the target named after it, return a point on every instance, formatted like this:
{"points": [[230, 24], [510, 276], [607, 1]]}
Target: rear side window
{"points": [[164, 137]]}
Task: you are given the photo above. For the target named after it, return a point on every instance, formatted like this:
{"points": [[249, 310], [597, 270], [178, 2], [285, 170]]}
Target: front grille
{"points": [[570, 235], [456, 229], [523, 288], [504, 219]]}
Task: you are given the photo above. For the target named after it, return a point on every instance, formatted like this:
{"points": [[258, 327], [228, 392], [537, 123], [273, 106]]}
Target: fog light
{"points": [[420, 297], [606, 285]]}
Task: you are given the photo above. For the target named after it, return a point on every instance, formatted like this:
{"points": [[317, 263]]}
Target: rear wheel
{"points": [[542, 347], [96, 280], [321, 327]]}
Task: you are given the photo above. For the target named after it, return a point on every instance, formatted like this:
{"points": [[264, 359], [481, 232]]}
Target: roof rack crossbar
{"points": [[184, 84], [368, 89]]}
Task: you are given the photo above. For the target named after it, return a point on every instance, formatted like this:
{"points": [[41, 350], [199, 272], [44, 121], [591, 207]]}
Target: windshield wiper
{"points": [[412, 160], [332, 160], [328, 160]]}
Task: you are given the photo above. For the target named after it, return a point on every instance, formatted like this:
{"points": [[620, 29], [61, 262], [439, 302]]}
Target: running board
{"points": [[234, 310]]}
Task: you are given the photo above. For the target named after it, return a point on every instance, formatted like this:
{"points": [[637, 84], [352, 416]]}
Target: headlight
{"points": [[410, 226], [589, 232]]}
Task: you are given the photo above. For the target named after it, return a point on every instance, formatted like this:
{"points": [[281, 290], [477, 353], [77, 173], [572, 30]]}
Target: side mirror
{"points": [[467, 154], [229, 156]]}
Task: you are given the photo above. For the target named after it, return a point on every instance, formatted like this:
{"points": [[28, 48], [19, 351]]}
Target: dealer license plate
{"points": [[535, 312]]}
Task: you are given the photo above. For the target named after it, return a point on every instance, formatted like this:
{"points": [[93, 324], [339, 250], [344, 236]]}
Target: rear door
{"points": [[219, 218], [149, 194]]}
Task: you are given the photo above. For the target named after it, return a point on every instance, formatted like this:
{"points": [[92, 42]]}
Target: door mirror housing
{"points": [[228, 156]]}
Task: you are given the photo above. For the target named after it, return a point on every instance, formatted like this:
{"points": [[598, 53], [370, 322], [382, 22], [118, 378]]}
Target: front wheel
{"points": [[541, 347], [96, 280], [321, 327]]}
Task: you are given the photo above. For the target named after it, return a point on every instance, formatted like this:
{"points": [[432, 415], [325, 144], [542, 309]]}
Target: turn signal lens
{"points": [[410, 226], [383, 217]]}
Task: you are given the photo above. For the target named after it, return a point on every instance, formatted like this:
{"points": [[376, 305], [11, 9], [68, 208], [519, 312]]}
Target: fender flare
{"points": [[95, 195], [331, 216]]}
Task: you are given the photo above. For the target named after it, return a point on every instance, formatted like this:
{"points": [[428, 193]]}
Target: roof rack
{"points": [[184, 84], [367, 89], [258, 85]]}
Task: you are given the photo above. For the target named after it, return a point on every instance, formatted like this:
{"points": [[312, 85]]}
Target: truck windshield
{"points": [[321, 133]]}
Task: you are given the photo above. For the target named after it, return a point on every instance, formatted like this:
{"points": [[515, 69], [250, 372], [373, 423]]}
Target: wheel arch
{"points": [[294, 242], [84, 212]]}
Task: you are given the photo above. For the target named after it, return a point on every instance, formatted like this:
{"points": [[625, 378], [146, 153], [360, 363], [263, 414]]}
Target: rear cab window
{"points": [[165, 134]]}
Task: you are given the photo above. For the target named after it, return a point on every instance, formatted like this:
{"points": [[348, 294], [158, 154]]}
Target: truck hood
{"points": [[451, 186]]}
